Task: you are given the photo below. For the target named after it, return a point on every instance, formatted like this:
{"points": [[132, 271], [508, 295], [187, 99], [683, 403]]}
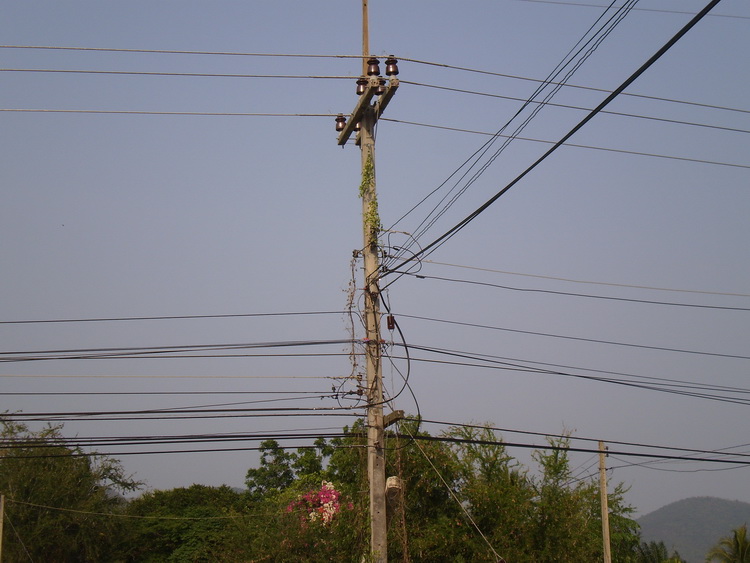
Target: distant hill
{"points": [[693, 526]]}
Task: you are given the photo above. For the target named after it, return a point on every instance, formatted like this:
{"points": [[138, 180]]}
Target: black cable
{"points": [[663, 388], [573, 145], [184, 351], [572, 294], [584, 439], [172, 317], [170, 74], [592, 44], [452, 440], [579, 108], [662, 11], [183, 417], [143, 393], [580, 339], [574, 86], [645, 66], [24, 415], [442, 439]]}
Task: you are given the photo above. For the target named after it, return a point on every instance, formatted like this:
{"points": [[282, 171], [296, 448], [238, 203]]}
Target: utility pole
{"points": [[363, 119], [605, 508]]}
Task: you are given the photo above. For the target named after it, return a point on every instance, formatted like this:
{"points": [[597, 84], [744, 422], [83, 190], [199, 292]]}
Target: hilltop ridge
{"points": [[693, 525]]}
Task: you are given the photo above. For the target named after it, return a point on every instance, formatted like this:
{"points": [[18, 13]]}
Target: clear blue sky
{"points": [[141, 215]]}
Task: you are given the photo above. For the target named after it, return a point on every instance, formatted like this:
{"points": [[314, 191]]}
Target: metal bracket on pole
{"points": [[387, 95], [364, 101], [359, 109]]}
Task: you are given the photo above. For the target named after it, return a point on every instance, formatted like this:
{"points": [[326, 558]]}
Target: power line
{"points": [[188, 347], [564, 70], [668, 45], [158, 351], [175, 317], [141, 393], [580, 438], [571, 294], [559, 3], [577, 338], [24, 415], [330, 115], [489, 362], [179, 74], [121, 441], [570, 280], [574, 86], [130, 516], [402, 59], [579, 108], [183, 376], [198, 416], [166, 113], [528, 366], [454, 440], [179, 52], [574, 145]]}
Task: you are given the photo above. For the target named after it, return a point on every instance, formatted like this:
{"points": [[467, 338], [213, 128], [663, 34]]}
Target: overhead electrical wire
{"points": [[141, 393], [173, 317], [169, 411], [663, 388], [173, 376], [392, 120], [129, 441], [164, 452], [577, 338], [402, 59], [426, 249], [590, 282], [574, 86], [454, 440], [713, 392], [696, 451], [480, 162], [651, 465], [198, 415], [172, 74], [423, 276], [186, 351], [179, 52], [461, 505], [420, 437], [164, 113], [573, 145], [658, 10], [580, 108], [529, 366]]}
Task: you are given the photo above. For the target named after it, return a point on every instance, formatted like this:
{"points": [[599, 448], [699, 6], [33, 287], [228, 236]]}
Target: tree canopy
{"points": [[462, 497], [57, 498]]}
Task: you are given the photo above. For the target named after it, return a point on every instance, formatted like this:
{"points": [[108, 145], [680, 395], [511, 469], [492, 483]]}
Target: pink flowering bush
{"points": [[318, 506]]}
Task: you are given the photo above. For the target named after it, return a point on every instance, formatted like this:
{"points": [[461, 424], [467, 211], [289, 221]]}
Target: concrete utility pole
{"points": [[375, 428], [605, 508], [363, 119]]}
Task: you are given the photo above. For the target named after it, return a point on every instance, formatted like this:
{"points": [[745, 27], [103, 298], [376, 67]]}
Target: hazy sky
{"points": [[179, 211]]}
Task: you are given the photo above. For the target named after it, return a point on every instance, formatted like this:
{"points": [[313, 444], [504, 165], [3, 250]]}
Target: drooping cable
{"points": [[431, 247], [570, 63]]}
